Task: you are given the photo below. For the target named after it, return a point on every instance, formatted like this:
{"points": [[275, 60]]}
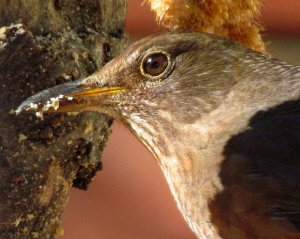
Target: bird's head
{"points": [[162, 79], [174, 72]]}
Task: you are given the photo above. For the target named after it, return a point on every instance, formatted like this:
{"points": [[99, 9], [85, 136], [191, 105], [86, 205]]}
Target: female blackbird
{"points": [[222, 120]]}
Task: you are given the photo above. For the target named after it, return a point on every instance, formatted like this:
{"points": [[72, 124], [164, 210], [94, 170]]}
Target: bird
{"points": [[221, 120]]}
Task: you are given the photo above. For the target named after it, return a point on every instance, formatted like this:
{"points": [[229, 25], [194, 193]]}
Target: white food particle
{"points": [[55, 103], [70, 98], [33, 106], [46, 106], [39, 114]]}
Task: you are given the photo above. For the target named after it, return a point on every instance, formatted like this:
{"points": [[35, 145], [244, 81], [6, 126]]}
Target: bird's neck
{"points": [[189, 160], [191, 170]]}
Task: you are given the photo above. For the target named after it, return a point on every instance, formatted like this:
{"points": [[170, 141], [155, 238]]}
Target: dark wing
{"points": [[261, 177]]}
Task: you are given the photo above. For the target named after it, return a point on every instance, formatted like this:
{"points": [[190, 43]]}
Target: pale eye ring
{"points": [[155, 64]]}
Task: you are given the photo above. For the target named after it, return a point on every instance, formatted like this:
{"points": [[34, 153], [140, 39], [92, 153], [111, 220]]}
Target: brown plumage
{"points": [[222, 121]]}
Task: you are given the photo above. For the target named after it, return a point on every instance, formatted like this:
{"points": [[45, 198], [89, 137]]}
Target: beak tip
{"points": [[26, 106], [48, 99], [18, 111]]}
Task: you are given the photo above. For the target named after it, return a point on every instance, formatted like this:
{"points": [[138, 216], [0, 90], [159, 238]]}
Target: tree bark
{"points": [[44, 43]]}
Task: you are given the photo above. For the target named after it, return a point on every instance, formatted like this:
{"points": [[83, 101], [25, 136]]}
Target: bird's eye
{"points": [[155, 64]]}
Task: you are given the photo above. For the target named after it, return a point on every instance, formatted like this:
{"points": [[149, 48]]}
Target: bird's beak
{"points": [[74, 96]]}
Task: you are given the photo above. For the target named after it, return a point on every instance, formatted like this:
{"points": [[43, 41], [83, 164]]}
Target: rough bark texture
{"points": [[44, 43]]}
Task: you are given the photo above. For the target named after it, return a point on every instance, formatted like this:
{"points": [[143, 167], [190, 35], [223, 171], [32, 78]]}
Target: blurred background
{"points": [[129, 198]]}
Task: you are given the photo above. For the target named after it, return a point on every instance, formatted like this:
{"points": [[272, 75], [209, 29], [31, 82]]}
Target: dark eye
{"points": [[155, 64]]}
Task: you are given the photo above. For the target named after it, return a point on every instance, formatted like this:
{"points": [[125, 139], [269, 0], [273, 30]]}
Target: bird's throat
{"points": [[189, 166]]}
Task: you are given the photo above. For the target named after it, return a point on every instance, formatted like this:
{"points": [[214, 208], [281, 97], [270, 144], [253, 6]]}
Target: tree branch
{"points": [[58, 41]]}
